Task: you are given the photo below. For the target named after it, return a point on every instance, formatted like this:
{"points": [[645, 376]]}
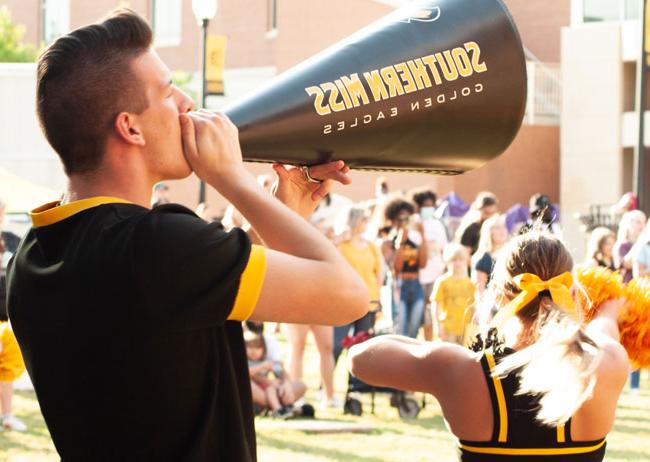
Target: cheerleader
{"points": [[543, 386]]}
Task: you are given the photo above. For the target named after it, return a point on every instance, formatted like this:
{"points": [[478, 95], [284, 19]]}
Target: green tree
{"points": [[12, 50]]}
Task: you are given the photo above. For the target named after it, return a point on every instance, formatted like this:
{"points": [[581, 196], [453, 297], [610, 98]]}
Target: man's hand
{"points": [[300, 195], [211, 146]]}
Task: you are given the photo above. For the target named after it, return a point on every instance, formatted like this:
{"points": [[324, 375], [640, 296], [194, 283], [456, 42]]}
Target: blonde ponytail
{"points": [[559, 366]]}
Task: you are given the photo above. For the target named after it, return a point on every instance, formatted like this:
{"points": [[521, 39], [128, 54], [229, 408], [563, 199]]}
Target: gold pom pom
{"points": [[634, 322], [599, 284]]}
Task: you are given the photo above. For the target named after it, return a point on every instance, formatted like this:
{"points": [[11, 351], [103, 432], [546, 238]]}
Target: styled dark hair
{"points": [[84, 81], [421, 197], [396, 206]]}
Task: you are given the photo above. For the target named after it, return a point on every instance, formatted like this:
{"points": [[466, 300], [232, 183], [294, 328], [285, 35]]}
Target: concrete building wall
{"points": [[591, 155]]}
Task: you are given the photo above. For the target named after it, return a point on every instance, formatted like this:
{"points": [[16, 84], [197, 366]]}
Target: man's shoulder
{"points": [[169, 219]]}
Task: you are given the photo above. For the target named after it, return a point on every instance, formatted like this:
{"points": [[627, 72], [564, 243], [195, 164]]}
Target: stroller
{"points": [[407, 406]]}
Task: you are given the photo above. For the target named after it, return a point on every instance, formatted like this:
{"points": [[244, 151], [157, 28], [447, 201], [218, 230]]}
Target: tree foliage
{"points": [[12, 50]]}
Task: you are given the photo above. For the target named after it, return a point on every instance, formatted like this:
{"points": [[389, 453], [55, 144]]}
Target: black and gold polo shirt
{"points": [[127, 320]]}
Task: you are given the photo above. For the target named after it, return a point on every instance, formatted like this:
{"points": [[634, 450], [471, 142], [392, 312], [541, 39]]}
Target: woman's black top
{"points": [[517, 435]]}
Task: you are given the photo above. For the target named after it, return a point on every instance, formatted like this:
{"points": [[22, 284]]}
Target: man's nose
{"points": [[187, 104]]}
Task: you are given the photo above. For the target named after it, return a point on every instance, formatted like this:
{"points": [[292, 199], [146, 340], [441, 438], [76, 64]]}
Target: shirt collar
{"points": [[53, 212]]}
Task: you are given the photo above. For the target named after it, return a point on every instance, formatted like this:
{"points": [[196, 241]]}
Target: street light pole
{"points": [[639, 151], [204, 92], [204, 10]]}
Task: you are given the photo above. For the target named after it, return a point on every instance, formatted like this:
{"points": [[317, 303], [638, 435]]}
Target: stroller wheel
{"points": [[408, 408], [353, 406]]}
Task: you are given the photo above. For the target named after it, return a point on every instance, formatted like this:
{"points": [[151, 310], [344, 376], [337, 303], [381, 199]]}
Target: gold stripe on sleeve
{"points": [[561, 436], [501, 400], [250, 285], [533, 451]]}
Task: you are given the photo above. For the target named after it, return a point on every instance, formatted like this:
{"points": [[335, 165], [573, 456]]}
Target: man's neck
{"points": [[131, 188]]}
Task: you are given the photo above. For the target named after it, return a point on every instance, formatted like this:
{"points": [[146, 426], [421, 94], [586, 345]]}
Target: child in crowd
{"points": [[272, 390], [453, 294], [600, 248]]}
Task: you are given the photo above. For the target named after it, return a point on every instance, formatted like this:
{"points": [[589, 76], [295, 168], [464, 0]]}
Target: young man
{"points": [[129, 317]]}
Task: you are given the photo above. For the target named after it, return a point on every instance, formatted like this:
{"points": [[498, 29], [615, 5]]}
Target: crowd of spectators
{"points": [[427, 266]]}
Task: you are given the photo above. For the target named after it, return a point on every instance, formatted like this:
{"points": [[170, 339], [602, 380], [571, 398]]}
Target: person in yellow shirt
{"points": [[453, 294], [364, 257]]}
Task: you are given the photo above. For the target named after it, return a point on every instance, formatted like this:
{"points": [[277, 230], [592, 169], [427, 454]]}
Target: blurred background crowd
{"points": [[427, 262]]}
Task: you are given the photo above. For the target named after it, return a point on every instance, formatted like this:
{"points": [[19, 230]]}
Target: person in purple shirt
{"points": [[629, 230]]}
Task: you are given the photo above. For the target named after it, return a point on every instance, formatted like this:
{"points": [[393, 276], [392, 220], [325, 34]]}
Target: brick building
{"points": [[266, 37]]}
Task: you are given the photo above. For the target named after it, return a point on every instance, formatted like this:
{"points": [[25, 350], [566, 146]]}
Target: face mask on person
{"points": [[427, 213]]}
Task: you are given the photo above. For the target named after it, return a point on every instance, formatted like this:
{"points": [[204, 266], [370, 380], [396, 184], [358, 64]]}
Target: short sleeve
{"points": [[191, 274]]}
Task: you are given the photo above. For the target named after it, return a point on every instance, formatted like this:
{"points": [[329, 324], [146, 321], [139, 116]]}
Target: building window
{"points": [[271, 15], [167, 22], [632, 9], [56, 19], [610, 10]]}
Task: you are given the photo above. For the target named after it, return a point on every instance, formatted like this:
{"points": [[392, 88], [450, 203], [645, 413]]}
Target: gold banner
{"points": [[215, 56]]}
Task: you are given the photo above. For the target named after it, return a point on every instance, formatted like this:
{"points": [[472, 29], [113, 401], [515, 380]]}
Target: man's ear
{"points": [[128, 130]]}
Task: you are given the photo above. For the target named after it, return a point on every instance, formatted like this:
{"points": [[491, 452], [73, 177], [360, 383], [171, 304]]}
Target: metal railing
{"points": [[544, 92], [600, 215]]}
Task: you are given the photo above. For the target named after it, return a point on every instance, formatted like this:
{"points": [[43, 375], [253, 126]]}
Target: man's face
{"points": [[159, 122]]}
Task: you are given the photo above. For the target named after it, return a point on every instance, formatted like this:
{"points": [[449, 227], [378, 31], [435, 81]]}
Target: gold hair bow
{"points": [[531, 285]]}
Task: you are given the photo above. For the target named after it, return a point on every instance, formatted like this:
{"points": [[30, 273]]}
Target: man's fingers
{"points": [[337, 176], [322, 191], [320, 171], [336, 171], [282, 172], [188, 136]]}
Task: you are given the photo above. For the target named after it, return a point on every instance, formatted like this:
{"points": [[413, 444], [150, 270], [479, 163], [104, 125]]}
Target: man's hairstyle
{"points": [[85, 79]]}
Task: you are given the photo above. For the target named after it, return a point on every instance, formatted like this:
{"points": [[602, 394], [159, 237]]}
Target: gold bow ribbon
{"points": [[531, 285]]}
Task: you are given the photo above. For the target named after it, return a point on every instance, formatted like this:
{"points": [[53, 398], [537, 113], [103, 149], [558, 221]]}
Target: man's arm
{"points": [[307, 281]]}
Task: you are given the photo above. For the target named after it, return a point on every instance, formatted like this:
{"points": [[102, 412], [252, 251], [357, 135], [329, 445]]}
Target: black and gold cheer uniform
{"points": [[517, 435], [123, 315]]}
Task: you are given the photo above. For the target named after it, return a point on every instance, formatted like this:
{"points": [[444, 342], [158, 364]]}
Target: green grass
{"points": [[424, 439]]}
